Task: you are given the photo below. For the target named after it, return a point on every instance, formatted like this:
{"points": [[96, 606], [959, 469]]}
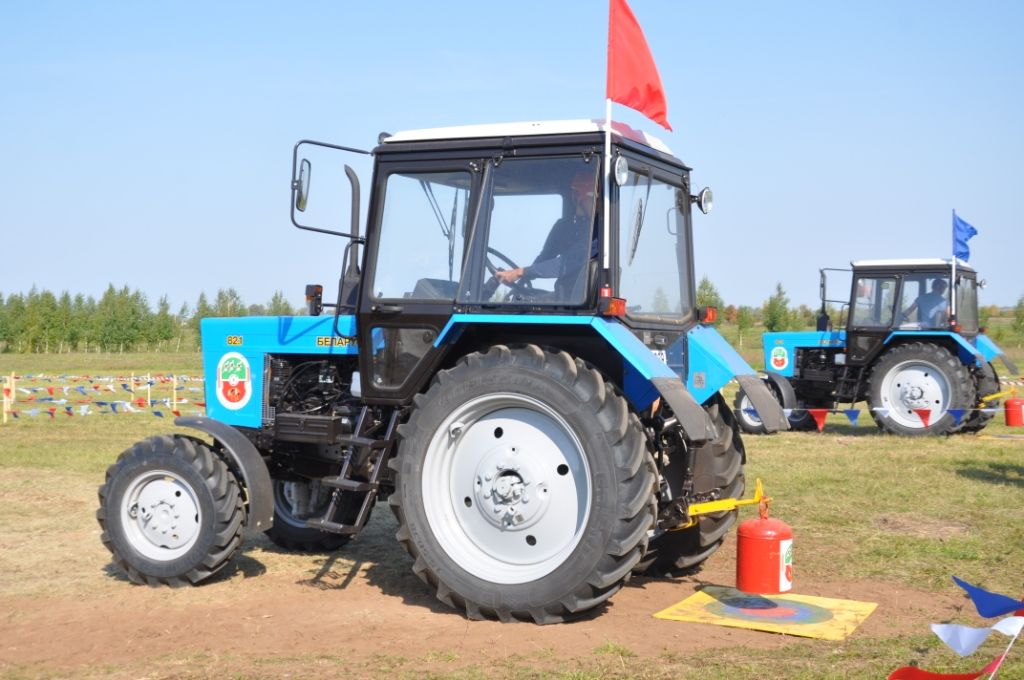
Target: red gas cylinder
{"points": [[1014, 412], [764, 556]]}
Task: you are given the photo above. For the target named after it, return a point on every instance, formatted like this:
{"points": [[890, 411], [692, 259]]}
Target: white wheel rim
{"points": [[748, 413], [160, 515], [506, 488], [914, 385]]}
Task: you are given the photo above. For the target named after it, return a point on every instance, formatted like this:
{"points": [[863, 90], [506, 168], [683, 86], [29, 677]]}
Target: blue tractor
{"points": [[909, 345], [526, 382]]}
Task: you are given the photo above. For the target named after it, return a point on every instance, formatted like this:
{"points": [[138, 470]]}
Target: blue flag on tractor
{"points": [[962, 231]]}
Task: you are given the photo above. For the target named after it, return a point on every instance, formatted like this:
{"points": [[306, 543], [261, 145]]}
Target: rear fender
{"points": [[244, 457], [985, 351], [645, 376]]}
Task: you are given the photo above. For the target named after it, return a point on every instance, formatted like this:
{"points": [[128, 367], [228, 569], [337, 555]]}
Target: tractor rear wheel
{"points": [[986, 382], [718, 465], [912, 387], [171, 511], [524, 487]]}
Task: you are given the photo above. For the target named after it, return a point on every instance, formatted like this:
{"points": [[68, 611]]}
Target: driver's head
{"points": [[583, 185], [939, 286]]}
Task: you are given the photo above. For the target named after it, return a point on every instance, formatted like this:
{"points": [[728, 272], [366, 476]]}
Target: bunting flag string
{"points": [[819, 415], [965, 640], [47, 395]]}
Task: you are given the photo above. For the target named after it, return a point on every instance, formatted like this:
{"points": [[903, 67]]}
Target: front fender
{"points": [[244, 457]]}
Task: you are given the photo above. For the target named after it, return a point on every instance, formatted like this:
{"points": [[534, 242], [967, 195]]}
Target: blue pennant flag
{"points": [[852, 414], [957, 413], [961, 233], [988, 604]]}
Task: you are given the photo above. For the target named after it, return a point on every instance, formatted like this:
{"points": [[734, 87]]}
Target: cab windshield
{"points": [[967, 305]]}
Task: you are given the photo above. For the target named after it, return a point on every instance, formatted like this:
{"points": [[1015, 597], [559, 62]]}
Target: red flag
{"points": [[914, 673], [632, 75], [819, 417], [925, 414]]}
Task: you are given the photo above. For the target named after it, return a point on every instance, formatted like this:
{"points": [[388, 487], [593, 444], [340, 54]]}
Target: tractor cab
{"points": [[498, 232]]}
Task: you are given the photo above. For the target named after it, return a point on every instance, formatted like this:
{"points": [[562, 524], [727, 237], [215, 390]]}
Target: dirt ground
{"points": [[359, 612]]}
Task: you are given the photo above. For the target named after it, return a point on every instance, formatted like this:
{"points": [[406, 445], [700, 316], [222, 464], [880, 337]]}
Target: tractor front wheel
{"points": [[171, 511], [718, 470], [524, 488], [912, 387]]}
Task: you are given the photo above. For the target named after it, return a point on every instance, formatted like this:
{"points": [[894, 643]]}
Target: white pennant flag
{"points": [[965, 639]]}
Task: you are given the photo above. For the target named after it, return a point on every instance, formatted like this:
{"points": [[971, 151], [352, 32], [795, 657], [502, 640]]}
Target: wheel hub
{"points": [[161, 515], [508, 492]]}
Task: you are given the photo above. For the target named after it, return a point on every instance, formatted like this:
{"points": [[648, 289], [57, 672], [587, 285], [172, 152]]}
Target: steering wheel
{"points": [[523, 286]]}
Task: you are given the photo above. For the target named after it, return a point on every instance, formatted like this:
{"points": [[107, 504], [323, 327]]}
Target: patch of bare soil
{"points": [[362, 611]]}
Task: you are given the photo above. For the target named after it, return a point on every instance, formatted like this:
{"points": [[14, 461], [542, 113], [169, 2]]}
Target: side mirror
{"points": [[301, 185], [703, 200]]}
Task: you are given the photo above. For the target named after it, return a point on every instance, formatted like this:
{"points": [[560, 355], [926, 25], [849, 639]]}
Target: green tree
{"points": [[279, 306], [203, 311], [744, 321], [1018, 319], [659, 305], [707, 294], [162, 325], [228, 303], [777, 316]]}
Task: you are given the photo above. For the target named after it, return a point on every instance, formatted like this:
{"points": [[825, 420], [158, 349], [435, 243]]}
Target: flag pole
{"points": [[1003, 658], [952, 281], [607, 182]]}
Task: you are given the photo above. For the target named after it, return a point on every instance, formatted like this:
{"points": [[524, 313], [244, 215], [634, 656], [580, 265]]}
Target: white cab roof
{"points": [[529, 128], [911, 262]]}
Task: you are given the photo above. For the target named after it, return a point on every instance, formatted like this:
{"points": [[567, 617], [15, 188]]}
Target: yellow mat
{"points": [[803, 615]]}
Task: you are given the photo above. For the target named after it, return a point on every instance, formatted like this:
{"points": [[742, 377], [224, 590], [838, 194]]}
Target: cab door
{"points": [[417, 240], [872, 315]]}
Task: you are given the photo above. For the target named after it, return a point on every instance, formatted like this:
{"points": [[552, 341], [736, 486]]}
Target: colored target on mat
{"points": [[768, 609], [816, 617]]}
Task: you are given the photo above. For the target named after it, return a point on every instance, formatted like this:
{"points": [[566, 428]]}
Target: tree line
{"points": [[122, 320]]}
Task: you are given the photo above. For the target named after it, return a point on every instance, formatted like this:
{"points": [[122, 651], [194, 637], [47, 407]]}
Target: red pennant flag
{"points": [[7, 392], [925, 414], [50, 390], [141, 401], [51, 411], [633, 79], [176, 412], [819, 417], [914, 673]]}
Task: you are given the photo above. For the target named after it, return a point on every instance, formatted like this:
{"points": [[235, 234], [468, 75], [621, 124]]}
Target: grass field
{"points": [[864, 507]]}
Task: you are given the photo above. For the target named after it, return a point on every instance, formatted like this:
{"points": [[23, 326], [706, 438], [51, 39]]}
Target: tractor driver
{"points": [[932, 308], [564, 256]]}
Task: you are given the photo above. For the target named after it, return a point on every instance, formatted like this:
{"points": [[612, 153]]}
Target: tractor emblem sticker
{"points": [[234, 381], [780, 358]]}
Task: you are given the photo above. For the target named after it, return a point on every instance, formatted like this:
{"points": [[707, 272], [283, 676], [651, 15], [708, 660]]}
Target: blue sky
{"points": [[149, 144]]}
